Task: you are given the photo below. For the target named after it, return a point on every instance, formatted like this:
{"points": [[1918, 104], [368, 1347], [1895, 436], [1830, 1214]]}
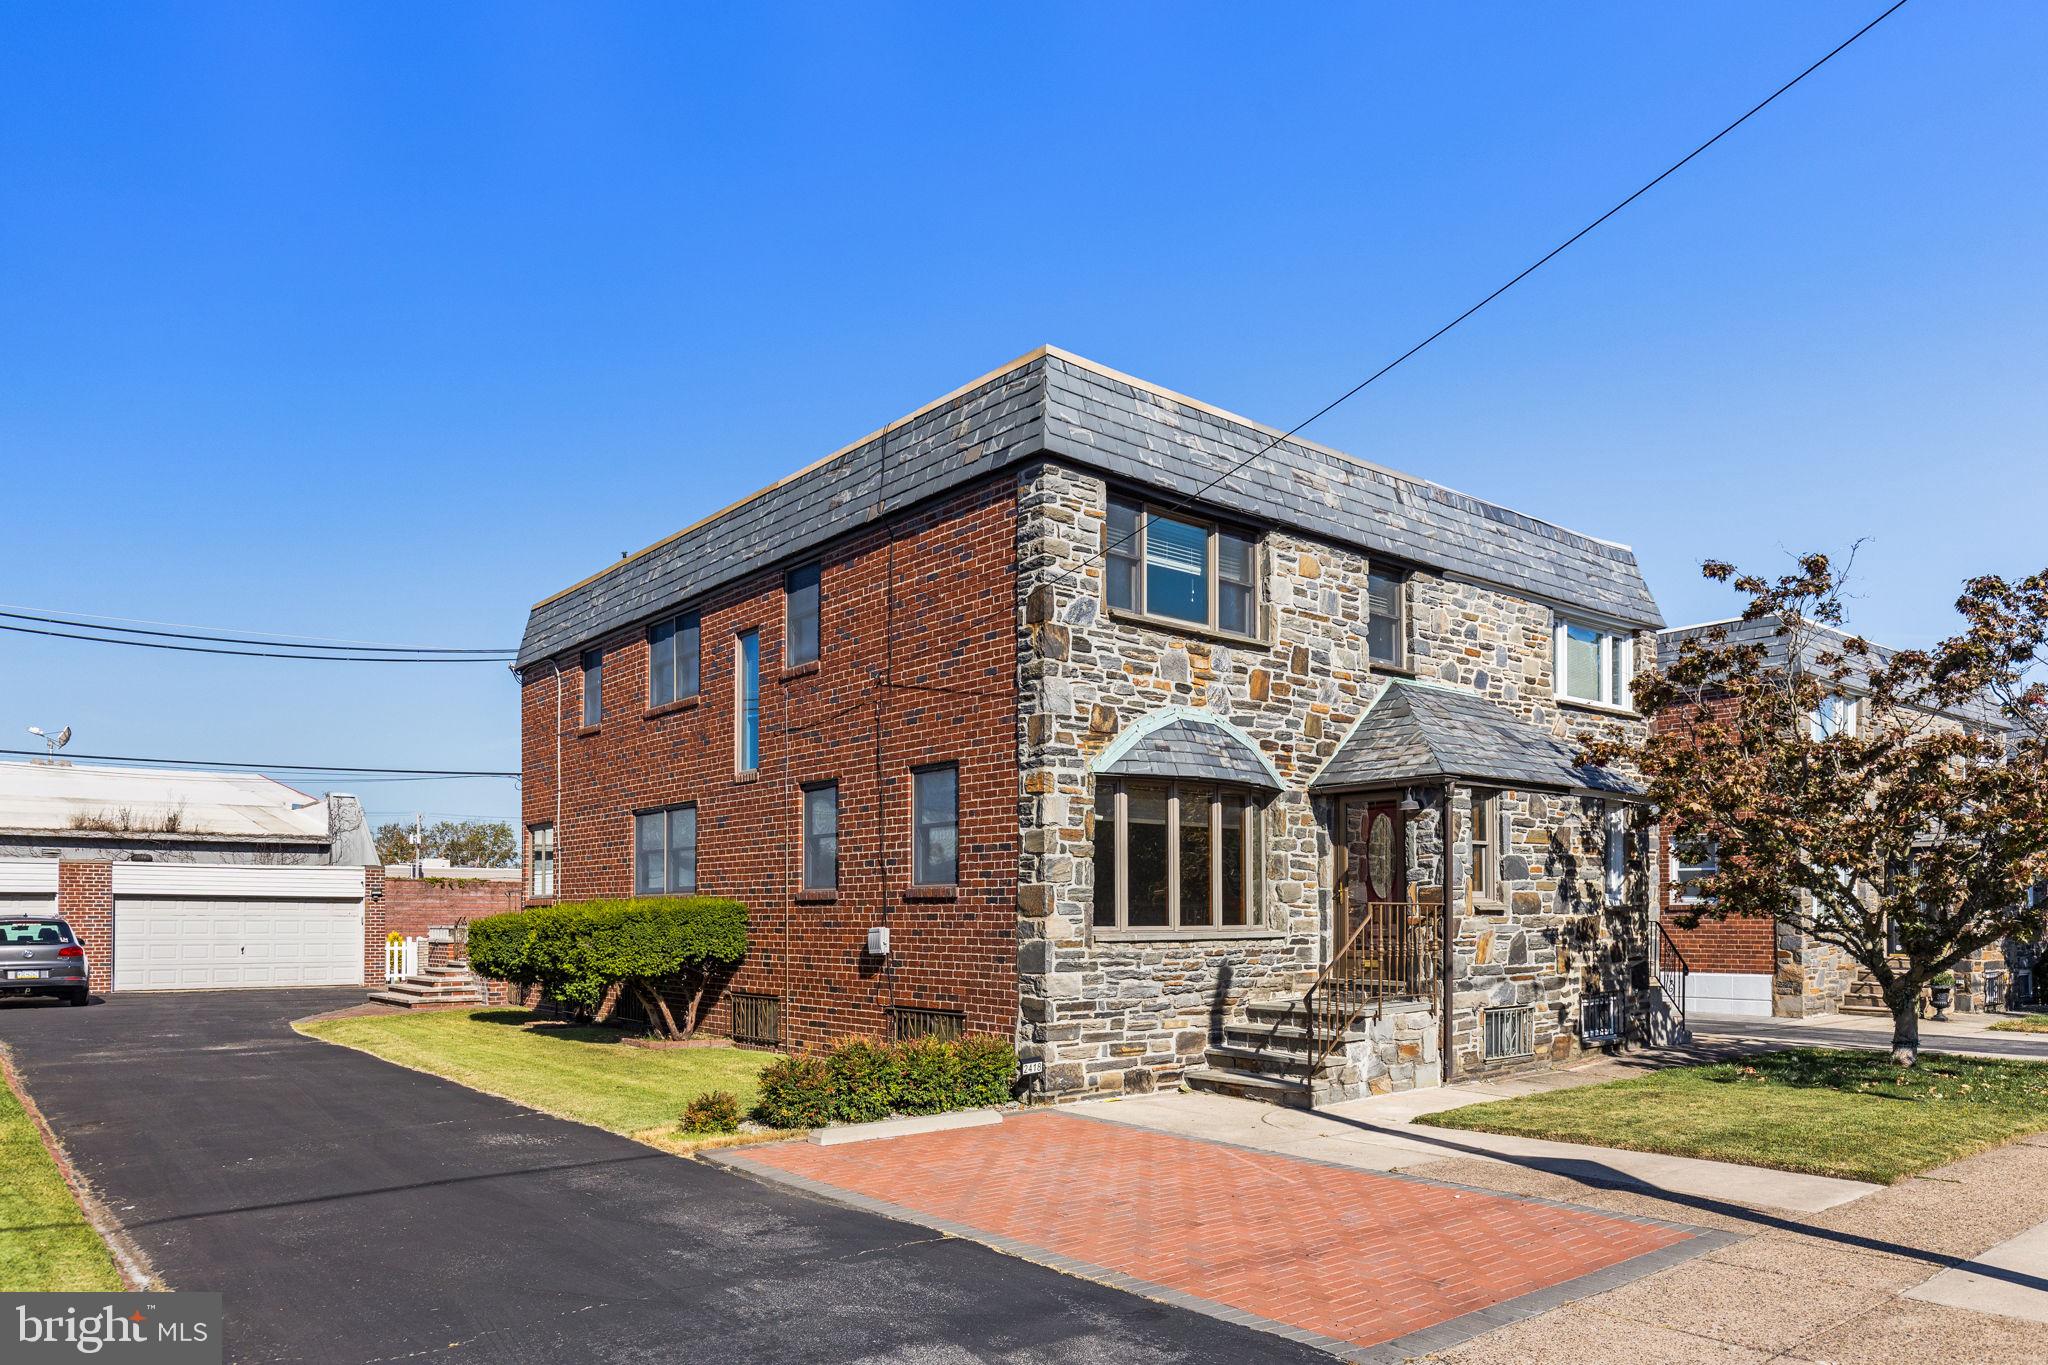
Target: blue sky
{"points": [[382, 321]]}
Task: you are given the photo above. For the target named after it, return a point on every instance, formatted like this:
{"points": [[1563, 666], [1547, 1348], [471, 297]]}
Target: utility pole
{"points": [[419, 852]]}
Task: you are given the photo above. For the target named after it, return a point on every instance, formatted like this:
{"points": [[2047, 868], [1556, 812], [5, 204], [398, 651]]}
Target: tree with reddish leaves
{"points": [[1911, 840]]}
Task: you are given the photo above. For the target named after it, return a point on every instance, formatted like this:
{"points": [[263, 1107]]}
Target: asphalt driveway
{"points": [[354, 1211]]}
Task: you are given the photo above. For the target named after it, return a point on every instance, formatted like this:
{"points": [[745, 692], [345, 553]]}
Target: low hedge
{"points": [[860, 1081]]}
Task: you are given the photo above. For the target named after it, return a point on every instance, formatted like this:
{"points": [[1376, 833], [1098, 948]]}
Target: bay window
{"points": [[1592, 665], [1181, 568], [1175, 855]]}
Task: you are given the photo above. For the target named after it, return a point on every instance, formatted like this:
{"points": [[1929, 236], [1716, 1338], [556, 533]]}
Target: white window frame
{"points": [[1212, 575], [1679, 895], [1614, 854], [1611, 641], [804, 871], [740, 765], [1484, 827], [1848, 721], [1250, 816], [540, 857]]}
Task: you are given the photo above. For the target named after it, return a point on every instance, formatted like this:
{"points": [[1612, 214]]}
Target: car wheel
{"points": [[81, 997]]}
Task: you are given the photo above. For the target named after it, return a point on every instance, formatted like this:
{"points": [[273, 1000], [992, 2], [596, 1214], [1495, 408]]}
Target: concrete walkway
{"points": [[2020, 1292], [1379, 1134], [1967, 1035]]}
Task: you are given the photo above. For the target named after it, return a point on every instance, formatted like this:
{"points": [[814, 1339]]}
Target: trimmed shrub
{"points": [[927, 1077], [796, 1092], [988, 1070], [714, 1111], [578, 950], [863, 1080]]}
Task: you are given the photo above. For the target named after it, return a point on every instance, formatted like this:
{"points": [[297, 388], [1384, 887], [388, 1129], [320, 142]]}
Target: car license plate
{"points": [[27, 974]]}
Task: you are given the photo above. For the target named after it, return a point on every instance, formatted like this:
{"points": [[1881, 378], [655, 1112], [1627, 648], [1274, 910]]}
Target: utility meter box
{"points": [[878, 941]]}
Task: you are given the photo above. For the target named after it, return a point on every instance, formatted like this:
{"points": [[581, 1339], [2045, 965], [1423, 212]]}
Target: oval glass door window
{"points": [[1379, 856]]}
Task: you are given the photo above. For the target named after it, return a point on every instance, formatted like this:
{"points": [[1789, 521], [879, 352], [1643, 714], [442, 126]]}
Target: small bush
{"points": [[927, 1077], [715, 1111], [862, 1076], [796, 1092], [988, 1069]]}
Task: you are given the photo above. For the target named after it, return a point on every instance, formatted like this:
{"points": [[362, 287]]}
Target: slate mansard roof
{"points": [[1768, 631], [1415, 732], [1054, 405]]}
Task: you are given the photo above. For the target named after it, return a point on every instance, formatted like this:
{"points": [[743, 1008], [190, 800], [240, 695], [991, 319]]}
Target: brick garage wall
{"points": [[413, 906], [950, 607], [374, 930], [85, 901]]}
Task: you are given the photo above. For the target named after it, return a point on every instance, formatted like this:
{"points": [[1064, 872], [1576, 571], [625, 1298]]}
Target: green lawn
{"points": [[45, 1242], [586, 1074], [2026, 1023], [1849, 1114]]}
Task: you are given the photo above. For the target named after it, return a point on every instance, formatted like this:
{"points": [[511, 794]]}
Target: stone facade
{"points": [[1108, 1009]]}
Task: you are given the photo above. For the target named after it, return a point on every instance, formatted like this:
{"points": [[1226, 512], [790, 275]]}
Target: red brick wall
{"points": [[411, 907], [85, 901], [951, 606], [1743, 944], [374, 931]]}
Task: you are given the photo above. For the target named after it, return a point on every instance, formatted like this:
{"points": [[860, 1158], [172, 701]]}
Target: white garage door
{"points": [[176, 944], [27, 903]]}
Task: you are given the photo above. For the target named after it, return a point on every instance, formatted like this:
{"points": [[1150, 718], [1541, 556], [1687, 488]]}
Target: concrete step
{"points": [[1266, 1062], [423, 1002], [1281, 1037], [1271, 1090]]}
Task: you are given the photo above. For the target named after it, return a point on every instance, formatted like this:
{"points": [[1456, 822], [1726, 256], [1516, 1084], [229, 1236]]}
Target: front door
{"points": [[1375, 861]]}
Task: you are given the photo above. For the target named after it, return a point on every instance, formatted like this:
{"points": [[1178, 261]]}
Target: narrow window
{"points": [[687, 671], [1125, 553], [1615, 819], [1196, 811], [1694, 859], [1148, 857], [1483, 846], [541, 839], [1234, 859], [682, 850], [821, 837], [650, 853], [800, 617], [935, 816], [661, 663], [747, 702], [593, 686], [1237, 559], [1386, 630], [1108, 863]]}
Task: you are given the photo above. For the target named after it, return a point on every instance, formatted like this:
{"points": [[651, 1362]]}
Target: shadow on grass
{"points": [[560, 1030]]}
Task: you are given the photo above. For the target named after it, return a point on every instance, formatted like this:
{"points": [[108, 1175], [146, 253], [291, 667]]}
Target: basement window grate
{"points": [[756, 1019], [1600, 1019], [945, 1025], [1510, 1033]]}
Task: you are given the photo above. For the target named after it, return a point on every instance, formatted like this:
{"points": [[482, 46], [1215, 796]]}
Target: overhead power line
{"points": [[257, 653], [1186, 499], [270, 767], [285, 638], [281, 643]]}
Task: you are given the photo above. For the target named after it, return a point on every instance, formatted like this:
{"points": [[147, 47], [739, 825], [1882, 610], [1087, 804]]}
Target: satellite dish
{"points": [[63, 736]]}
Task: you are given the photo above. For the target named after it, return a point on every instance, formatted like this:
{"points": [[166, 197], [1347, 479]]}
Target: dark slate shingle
{"points": [[1415, 732]]}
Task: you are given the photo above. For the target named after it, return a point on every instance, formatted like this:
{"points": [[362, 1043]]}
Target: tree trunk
{"points": [[657, 1008], [1905, 1026]]}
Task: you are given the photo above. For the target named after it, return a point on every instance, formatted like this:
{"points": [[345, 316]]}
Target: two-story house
{"points": [[1078, 711], [1747, 965]]}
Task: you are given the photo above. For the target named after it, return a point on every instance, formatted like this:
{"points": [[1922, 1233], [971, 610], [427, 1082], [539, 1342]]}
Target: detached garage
{"points": [[200, 927]]}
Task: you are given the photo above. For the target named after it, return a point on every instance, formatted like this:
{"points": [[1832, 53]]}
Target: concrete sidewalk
{"points": [[1379, 1134]]}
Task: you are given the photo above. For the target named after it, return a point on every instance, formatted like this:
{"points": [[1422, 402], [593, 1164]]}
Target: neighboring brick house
{"points": [[1747, 965], [1119, 777]]}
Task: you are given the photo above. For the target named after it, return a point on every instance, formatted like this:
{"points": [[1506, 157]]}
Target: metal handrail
{"points": [[1391, 954], [1660, 945]]}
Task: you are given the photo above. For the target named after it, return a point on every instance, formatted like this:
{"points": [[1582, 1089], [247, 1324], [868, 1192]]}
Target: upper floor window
{"points": [[1181, 569], [1594, 665], [800, 617], [1174, 855], [593, 686], [747, 702], [1386, 626], [1693, 859], [541, 840], [935, 826], [672, 660], [1836, 715], [821, 837], [665, 851]]}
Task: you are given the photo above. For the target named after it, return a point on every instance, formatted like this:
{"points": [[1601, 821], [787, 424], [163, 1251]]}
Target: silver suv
{"points": [[42, 957]]}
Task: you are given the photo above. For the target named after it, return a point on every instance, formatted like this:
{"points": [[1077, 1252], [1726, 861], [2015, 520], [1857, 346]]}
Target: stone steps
{"points": [[1250, 1086], [1267, 1056]]}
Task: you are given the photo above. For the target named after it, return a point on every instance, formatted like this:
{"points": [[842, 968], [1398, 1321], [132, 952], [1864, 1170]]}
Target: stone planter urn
{"points": [[1943, 991]]}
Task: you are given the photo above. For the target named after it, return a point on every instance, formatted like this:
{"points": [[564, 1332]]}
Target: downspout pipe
{"points": [[1447, 965]]}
